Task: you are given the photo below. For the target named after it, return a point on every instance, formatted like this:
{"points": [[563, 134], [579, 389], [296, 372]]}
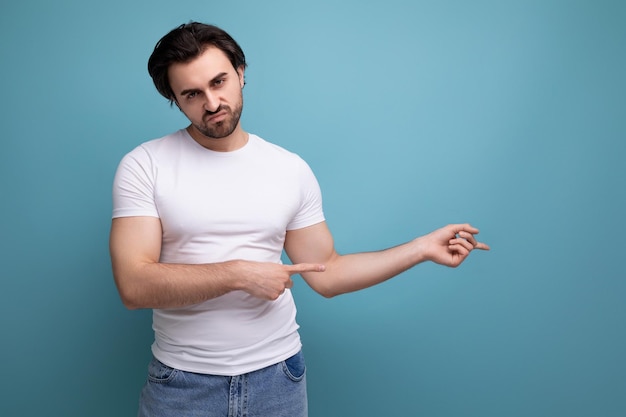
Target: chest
{"points": [[224, 198]]}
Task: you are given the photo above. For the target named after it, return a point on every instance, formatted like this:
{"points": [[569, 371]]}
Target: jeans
{"points": [[276, 391]]}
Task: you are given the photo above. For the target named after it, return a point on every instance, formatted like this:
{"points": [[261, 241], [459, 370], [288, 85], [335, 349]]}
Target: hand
{"points": [[451, 244], [268, 280]]}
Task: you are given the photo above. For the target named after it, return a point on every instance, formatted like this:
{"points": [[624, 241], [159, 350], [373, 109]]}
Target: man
{"points": [[200, 220]]}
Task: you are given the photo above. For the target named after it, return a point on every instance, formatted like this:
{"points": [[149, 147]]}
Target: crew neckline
{"points": [[219, 154]]}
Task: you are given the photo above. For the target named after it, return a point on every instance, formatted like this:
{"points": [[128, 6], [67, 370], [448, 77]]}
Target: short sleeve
{"points": [[133, 186], [310, 211]]}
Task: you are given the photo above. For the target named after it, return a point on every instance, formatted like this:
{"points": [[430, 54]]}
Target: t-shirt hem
{"points": [[306, 223], [223, 371], [133, 213]]}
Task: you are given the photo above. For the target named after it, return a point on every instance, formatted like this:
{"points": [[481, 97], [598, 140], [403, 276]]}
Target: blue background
{"points": [[510, 115]]}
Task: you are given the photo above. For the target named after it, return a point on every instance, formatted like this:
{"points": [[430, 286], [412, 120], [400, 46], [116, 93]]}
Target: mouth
{"points": [[216, 117]]}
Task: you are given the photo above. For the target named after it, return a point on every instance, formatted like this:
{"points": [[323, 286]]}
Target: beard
{"points": [[223, 128]]}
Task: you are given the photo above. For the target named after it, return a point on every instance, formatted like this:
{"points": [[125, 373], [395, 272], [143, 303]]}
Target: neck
{"points": [[232, 142]]}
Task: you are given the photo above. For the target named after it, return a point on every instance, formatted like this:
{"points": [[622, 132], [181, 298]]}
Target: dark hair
{"points": [[185, 43]]}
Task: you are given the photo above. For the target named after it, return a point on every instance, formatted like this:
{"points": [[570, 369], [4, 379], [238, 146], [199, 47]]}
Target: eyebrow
{"points": [[193, 90]]}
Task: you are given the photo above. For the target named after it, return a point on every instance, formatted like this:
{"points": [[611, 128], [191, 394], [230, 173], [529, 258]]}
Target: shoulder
{"points": [[156, 149], [163, 144], [269, 149]]}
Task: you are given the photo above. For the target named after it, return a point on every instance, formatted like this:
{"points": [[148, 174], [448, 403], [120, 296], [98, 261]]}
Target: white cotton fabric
{"points": [[213, 207]]}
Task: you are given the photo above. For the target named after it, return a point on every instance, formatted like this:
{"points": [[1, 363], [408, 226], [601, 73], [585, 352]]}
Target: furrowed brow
{"points": [[189, 90], [195, 90], [218, 76]]}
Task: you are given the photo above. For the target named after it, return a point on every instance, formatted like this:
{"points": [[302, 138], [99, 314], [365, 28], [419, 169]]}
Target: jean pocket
{"points": [[294, 367], [160, 373]]}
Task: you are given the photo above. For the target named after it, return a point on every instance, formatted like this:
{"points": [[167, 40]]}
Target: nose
{"points": [[212, 103]]}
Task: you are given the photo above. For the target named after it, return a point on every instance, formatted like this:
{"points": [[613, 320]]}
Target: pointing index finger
{"points": [[298, 268], [482, 246]]}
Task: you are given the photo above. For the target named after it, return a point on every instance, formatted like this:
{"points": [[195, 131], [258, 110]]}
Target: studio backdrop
{"points": [[510, 115]]}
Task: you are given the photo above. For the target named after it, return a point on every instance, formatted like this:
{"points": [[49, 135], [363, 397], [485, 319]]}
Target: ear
{"points": [[240, 73]]}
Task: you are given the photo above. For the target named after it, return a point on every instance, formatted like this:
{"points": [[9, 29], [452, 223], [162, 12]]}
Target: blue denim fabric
{"points": [[276, 391]]}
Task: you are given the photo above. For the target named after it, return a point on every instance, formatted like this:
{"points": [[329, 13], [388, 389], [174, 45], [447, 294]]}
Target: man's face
{"points": [[208, 91]]}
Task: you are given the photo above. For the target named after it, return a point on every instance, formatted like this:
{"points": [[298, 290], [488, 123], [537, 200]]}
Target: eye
{"points": [[192, 95], [219, 82]]}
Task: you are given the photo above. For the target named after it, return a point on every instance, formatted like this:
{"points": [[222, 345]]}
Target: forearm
{"points": [[353, 272], [161, 285]]}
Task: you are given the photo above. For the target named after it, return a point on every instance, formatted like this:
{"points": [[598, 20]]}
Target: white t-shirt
{"points": [[214, 207]]}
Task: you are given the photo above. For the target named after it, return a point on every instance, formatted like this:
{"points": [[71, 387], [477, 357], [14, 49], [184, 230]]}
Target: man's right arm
{"points": [[144, 282]]}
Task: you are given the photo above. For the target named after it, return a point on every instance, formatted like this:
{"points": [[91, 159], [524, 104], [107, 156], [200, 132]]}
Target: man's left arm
{"points": [[448, 246]]}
